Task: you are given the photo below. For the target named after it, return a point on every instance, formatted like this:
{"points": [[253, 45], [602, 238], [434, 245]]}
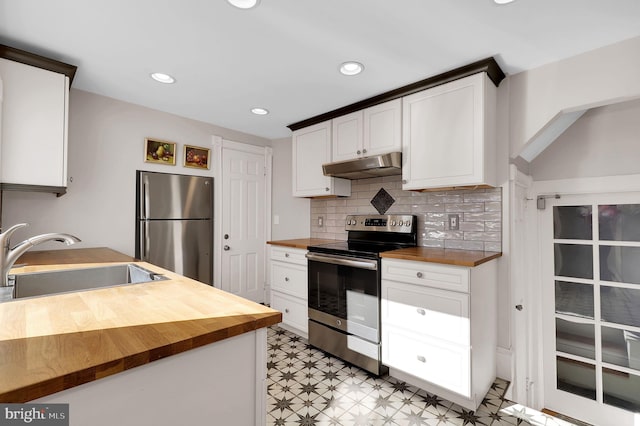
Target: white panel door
{"points": [[243, 223], [590, 248]]}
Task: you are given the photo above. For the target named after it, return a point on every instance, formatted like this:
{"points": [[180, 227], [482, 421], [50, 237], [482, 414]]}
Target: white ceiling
{"points": [[284, 55]]}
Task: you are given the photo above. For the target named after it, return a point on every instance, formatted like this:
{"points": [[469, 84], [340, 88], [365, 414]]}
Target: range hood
{"points": [[367, 167]]}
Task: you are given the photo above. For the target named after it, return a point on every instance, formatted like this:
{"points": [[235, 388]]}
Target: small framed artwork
{"points": [[159, 151], [195, 156]]}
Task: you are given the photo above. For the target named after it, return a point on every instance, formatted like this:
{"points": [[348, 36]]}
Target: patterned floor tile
{"points": [[307, 387]]}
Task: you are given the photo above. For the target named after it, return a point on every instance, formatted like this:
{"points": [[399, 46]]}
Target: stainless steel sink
{"points": [[50, 282]]}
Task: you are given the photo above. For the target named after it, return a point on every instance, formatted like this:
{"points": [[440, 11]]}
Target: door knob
{"points": [[226, 236], [519, 307], [226, 248]]}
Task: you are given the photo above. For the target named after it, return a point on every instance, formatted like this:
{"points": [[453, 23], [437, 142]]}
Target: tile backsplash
{"points": [[479, 210]]}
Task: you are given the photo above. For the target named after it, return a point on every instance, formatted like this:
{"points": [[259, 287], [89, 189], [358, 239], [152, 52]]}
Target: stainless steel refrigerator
{"points": [[174, 223]]}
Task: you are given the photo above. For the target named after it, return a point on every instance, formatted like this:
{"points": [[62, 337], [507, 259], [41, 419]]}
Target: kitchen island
{"points": [[160, 353]]}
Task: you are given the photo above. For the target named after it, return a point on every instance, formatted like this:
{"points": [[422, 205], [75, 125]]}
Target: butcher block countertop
{"points": [[301, 243], [52, 343], [444, 256]]}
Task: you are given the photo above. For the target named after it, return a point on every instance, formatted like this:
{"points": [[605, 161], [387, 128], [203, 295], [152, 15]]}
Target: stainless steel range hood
{"points": [[367, 167]]}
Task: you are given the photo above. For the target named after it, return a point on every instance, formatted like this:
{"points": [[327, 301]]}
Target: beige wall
{"points": [[106, 140], [599, 77], [603, 142], [291, 213]]}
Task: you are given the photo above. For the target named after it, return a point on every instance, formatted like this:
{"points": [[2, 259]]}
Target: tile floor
{"points": [[308, 387]]}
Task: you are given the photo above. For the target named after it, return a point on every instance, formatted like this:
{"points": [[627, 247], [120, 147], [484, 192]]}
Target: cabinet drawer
{"points": [[446, 277], [289, 278], [438, 313], [294, 311], [444, 364], [288, 254]]}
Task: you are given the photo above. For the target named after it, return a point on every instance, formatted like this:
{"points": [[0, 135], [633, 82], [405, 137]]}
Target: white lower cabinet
{"points": [[294, 311], [439, 329], [289, 287]]}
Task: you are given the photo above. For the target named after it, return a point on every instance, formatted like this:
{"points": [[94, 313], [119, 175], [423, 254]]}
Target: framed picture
{"points": [[159, 151], [195, 156]]}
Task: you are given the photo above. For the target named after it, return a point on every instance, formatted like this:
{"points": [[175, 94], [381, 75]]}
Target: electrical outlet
{"points": [[454, 222], [320, 221]]}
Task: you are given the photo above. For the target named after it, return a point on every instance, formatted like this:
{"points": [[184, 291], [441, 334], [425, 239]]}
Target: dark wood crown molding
{"points": [[38, 61], [489, 65]]}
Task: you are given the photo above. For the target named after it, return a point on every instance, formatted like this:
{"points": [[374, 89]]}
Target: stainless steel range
{"points": [[344, 287]]}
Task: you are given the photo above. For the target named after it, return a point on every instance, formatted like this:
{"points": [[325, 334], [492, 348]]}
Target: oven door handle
{"points": [[343, 261]]}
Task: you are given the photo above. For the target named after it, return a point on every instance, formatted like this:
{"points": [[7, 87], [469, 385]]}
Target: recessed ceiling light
{"points": [[351, 68], [502, 1], [259, 111], [163, 78], [244, 4]]}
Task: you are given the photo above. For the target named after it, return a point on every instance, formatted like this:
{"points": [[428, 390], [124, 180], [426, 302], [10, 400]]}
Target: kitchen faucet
{"points": [[10, 255]]}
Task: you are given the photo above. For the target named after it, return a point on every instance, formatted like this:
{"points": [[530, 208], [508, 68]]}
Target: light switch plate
{"points": [[454, 222]]}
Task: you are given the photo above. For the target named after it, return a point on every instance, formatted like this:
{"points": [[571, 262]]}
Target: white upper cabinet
{"points": [[374, 130], [347, 136], [383, 128], [311, 149], [34, 125], [448, 135]]}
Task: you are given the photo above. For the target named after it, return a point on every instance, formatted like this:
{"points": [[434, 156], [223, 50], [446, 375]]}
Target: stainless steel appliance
{"points": [[174, 223], [344, 287], [366, 167]]}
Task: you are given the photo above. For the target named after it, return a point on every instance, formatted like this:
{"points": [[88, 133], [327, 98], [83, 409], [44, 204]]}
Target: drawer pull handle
{"points": [[421, 311], [286, 279], [421, 358], [419, 275], [286, 255], [286, 311]]}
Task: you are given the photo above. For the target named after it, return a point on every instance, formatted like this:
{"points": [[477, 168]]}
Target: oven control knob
{"points": [[338, 322], [401, 223], [393, 223]]}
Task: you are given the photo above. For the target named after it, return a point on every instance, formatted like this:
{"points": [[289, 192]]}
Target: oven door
{"points": [[344, 294]]}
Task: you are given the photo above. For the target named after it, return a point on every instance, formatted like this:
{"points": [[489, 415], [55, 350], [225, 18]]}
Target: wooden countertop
{"points": [[301, 243], [446, 256], [52, 343], [421, 254]]}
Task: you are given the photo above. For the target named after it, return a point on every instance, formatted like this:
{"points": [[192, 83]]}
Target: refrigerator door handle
{"points": [[144, 200], [144, 240]]}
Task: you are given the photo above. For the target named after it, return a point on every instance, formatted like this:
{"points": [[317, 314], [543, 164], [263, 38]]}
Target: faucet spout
{"points": [[10, 255]]}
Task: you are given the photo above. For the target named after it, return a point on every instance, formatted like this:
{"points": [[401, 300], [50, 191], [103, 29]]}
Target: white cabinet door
{"points": [[448, 133], [34, 130], [294, 311], [311, 149], [374, 130], [437, 361], [347, 136], [383, 128], [289, 278]]}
